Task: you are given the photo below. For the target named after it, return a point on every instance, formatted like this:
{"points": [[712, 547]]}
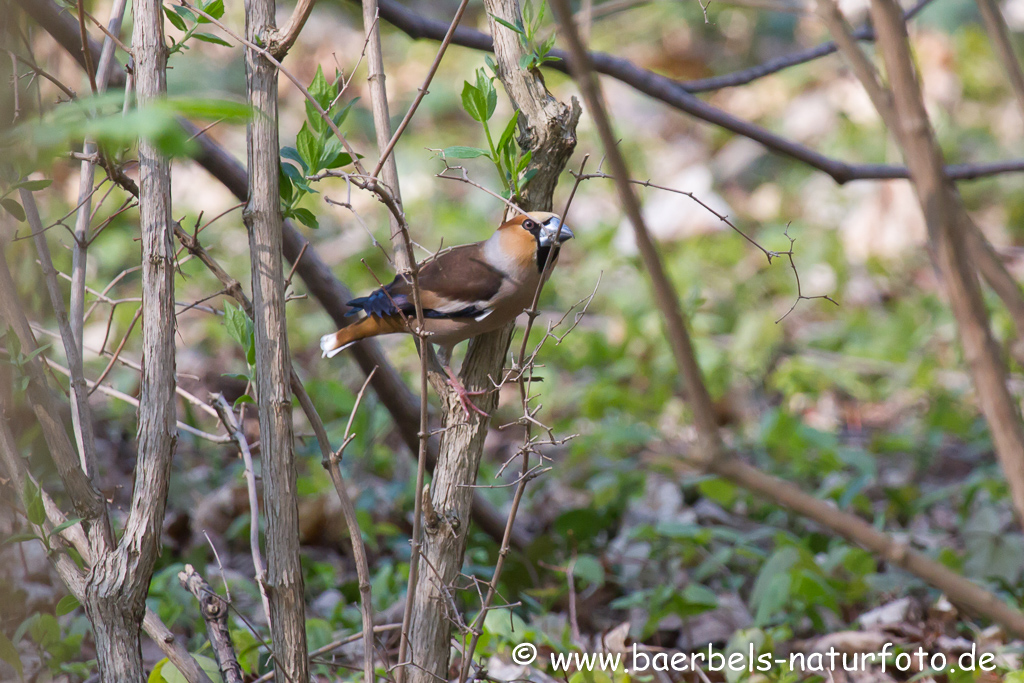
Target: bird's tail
{"points": [[370, 326]]}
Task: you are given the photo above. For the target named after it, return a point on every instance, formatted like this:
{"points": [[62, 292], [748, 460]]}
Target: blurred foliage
{"points": [[866, 405]]}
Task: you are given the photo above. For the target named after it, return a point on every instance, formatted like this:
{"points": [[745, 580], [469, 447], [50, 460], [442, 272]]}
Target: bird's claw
{"points": [[467, 405]]}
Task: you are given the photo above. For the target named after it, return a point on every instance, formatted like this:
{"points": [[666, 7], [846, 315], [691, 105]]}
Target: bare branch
{"points": [[547, 129], [386, 167], [215, 613], [999, 36], [422, 92], [262, 216], [664, 293], [227, 416], [72, 576], [87, 501], [81, 414], [79, 252], [949, 225], [677, 96], [332, 463]]}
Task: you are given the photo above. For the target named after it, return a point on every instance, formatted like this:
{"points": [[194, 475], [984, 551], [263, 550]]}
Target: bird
{"points": [[465, 291]]}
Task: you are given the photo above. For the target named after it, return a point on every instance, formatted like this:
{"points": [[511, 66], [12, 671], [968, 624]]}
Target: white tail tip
{"points": [[327, 345]]}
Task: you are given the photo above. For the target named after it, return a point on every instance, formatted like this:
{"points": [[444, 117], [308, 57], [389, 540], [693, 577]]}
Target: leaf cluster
{"points": [[480, 100], [316, 149], [185, 19]]}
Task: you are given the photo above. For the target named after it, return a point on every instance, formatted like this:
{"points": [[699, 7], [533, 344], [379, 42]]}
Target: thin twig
{"points": [[227, 417], [332, 463], [422, 92]]}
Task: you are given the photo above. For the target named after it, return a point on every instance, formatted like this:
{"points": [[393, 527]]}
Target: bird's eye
{"points": [[529, 224]]}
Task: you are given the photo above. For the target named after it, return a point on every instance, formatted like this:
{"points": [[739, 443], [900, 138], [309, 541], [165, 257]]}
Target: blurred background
{"points": [[866, 403]]}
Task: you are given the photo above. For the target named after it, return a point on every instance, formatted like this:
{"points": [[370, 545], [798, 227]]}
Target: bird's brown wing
{"points": [[457, 284]]}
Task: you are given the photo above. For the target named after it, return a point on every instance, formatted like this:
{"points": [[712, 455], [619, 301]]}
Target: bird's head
{"points": [[534, 234]]}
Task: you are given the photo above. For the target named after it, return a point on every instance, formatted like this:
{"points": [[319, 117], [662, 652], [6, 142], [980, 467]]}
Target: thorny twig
{"points": [[799, 292], [227, 417], [422, 92], [725, 219]]}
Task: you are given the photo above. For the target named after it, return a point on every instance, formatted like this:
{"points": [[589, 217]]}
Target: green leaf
{"points": [[45, 630], [333, 154], [517, 27], [100, 118], [244, 398], [14, 208], [175, 20], [459, 152], [9, 654], [771, 590], [240, 329], [284, 184], [157, 674], [210, 667], [67, 605], [293, 154], [528, 17], [527, 177], [546, 47], [20, 538], [34, 503], [510, 129], [210, 38], [524, 161], [321, 90], [474, 102], [306, 217], [32, 185], [309, 149], [339, 116], [215, 9], [66, 524], [184, 12], [526, 61], [486, 86], [297, 178], [165, 672], [208, 108], [339, 160], [170, 674], [589, 569]]}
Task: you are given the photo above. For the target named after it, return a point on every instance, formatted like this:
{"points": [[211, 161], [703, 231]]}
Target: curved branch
{"points": [[681, 97]]}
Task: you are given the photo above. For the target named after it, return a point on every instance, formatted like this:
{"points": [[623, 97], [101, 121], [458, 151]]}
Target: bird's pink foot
{"points": [[467, 405]]}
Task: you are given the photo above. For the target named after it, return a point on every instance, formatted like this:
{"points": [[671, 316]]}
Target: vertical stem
{"points": [[948, 223], [79, 255], [405, 260], [262, 216], [548, 130], [999, 34], [81, 414], [664, 293], [117, 587], [382, 123]]}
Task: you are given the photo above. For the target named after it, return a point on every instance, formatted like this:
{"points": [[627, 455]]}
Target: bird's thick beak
{"points": [[555, 233]]}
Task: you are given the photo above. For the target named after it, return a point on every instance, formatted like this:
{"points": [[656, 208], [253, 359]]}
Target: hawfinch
{"points": [[466, 291]]}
